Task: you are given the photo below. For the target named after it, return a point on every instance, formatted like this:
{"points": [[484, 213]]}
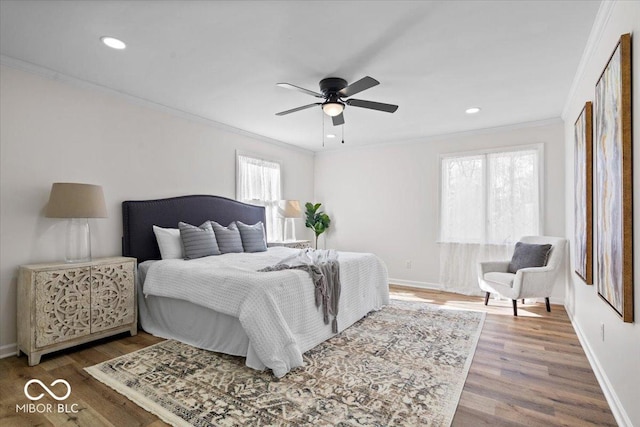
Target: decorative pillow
{"points": [[228, 238], [169, 242], [529, 255], [198, 242], [252, 237]]}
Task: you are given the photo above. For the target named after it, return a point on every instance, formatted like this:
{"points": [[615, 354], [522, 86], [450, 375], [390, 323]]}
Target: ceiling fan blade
{"points": [[387, 108], [300, 89], [293, 110], [338, 120], [357, 87]]}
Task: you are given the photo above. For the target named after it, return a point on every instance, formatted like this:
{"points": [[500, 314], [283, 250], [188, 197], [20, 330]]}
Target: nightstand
{"points": [[295, 244], [61, 305]]}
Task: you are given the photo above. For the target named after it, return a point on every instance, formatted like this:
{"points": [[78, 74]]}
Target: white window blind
{"points": [[258, 182], [491, 197]]}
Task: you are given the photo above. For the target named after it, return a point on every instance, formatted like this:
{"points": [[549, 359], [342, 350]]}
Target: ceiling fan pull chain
{"points": [[323, 119], [343, 125]]}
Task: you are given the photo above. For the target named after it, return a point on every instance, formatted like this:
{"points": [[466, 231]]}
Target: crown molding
{"points": [[597, 30], [446, 136], [75, 81]]}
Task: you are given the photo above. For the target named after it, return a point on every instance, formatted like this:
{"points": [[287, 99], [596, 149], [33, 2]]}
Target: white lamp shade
{"points": [[72, 200], [290, 209]]}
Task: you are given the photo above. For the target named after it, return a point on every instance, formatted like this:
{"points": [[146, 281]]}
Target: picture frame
{"points": [[583, 197], [614, 196]]}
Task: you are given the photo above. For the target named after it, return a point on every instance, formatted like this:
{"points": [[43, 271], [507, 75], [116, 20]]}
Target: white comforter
{"points": [[276, 309]]}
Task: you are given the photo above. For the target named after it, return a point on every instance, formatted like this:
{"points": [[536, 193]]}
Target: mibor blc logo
{"points": [[47, 389], [30, 391]]}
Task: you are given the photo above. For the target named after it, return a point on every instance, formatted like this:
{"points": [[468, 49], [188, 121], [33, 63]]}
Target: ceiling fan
{"points": [[334, 90]]}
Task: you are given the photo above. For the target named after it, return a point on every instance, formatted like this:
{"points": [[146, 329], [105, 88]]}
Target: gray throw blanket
{"points": [[324, 269]]}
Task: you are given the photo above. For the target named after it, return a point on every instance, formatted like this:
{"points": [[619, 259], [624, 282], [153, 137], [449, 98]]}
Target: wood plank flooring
{"points": [[527, 371]]}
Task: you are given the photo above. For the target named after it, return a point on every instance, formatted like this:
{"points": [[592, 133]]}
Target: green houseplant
{"points": [[316, 220]]}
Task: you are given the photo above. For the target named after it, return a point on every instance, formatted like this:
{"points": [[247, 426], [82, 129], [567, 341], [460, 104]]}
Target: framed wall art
{"points": [[583, 201], [614, 241]]}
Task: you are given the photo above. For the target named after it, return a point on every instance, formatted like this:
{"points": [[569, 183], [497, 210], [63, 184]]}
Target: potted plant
{"points": [[316, 220]]}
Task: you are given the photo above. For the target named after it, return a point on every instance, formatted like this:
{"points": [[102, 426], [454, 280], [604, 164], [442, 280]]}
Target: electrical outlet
{"points": [[407, 264], [602, 331]]}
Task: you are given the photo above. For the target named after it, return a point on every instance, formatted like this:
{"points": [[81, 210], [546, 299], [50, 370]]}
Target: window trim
{"points": [[538, 147]]}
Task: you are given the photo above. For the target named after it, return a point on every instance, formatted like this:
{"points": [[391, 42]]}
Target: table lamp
{"points": [[77, 203], [290, 210]]}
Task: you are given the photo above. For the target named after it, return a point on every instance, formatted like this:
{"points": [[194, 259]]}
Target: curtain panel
{"points": [[488, 200], [459, 264], [258, 182]]}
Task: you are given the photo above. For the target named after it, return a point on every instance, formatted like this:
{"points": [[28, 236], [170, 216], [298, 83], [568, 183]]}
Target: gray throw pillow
{"points": [[198, 242], [228, 238], [252, 237], [529, 255]]}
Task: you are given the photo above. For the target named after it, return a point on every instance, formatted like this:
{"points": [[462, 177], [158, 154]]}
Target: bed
{"points": [[222, 303]]}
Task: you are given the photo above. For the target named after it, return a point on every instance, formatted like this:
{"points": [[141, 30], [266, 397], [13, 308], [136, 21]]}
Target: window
{"points": [[491, 197], [258, 183]]}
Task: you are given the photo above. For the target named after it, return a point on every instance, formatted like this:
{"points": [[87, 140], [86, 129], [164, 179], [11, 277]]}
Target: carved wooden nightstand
{"points": [[295, 244], [61, 305]]}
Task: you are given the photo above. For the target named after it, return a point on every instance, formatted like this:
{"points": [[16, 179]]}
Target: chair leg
{"points": [[546, 300], [486, 298], [515, 308]]}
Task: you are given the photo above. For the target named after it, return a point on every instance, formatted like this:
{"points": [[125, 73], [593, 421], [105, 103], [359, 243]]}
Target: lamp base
{"points": [[289, 230], [78, 248]]}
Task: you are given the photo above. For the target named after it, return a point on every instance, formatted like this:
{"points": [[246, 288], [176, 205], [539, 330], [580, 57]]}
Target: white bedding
{"points": [[276, 309]]}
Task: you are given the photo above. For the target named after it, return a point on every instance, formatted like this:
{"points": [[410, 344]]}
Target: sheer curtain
{"points": [[512, 195], [458, 264], [258, 182], [488, 201]]}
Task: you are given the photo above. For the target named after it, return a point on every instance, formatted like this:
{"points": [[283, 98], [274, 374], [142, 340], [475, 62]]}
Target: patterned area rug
{"points": [[403, 365]]}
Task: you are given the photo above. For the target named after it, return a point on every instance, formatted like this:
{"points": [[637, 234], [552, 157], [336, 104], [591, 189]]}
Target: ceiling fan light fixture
{"points": [[332, 108]]}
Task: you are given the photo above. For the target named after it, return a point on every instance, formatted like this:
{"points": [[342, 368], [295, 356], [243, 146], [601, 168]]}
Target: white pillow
{"points": [[169, 242]]}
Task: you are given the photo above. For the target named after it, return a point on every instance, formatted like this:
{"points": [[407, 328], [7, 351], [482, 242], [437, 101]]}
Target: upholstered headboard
{"points": [[139, 217]]}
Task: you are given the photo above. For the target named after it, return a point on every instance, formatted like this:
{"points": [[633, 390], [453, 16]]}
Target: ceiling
{"points": [[221, 60]]}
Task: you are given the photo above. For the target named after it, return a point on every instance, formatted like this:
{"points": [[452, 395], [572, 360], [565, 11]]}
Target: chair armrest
{"points": [[493, 266], [529, 270], [533, 282]]}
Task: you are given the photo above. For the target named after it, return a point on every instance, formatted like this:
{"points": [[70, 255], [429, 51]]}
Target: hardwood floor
{"points": [[98, 405], [527, 371]]}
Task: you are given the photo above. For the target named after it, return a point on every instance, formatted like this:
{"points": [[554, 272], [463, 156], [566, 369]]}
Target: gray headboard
{"points": [[139, 217]]}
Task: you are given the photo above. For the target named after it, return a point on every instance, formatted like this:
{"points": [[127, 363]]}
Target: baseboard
{"points": [[617, 409], [439, 287], [553, 300], [8, 350], [416, 284]]}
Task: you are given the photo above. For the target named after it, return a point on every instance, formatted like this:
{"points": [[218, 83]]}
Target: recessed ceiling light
{"points": [[113, 42], [330, 135], [472, 110]]}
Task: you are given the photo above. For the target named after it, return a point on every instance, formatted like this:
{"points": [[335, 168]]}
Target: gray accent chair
{"points": [[531, 282]]}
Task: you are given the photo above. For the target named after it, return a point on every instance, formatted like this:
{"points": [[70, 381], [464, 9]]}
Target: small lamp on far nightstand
{"points": [[290, 210], [77, 202]]}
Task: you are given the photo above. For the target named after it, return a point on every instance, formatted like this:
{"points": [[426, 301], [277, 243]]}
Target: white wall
{"points": [[384, 199], [52, 131], [616, 360]]}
